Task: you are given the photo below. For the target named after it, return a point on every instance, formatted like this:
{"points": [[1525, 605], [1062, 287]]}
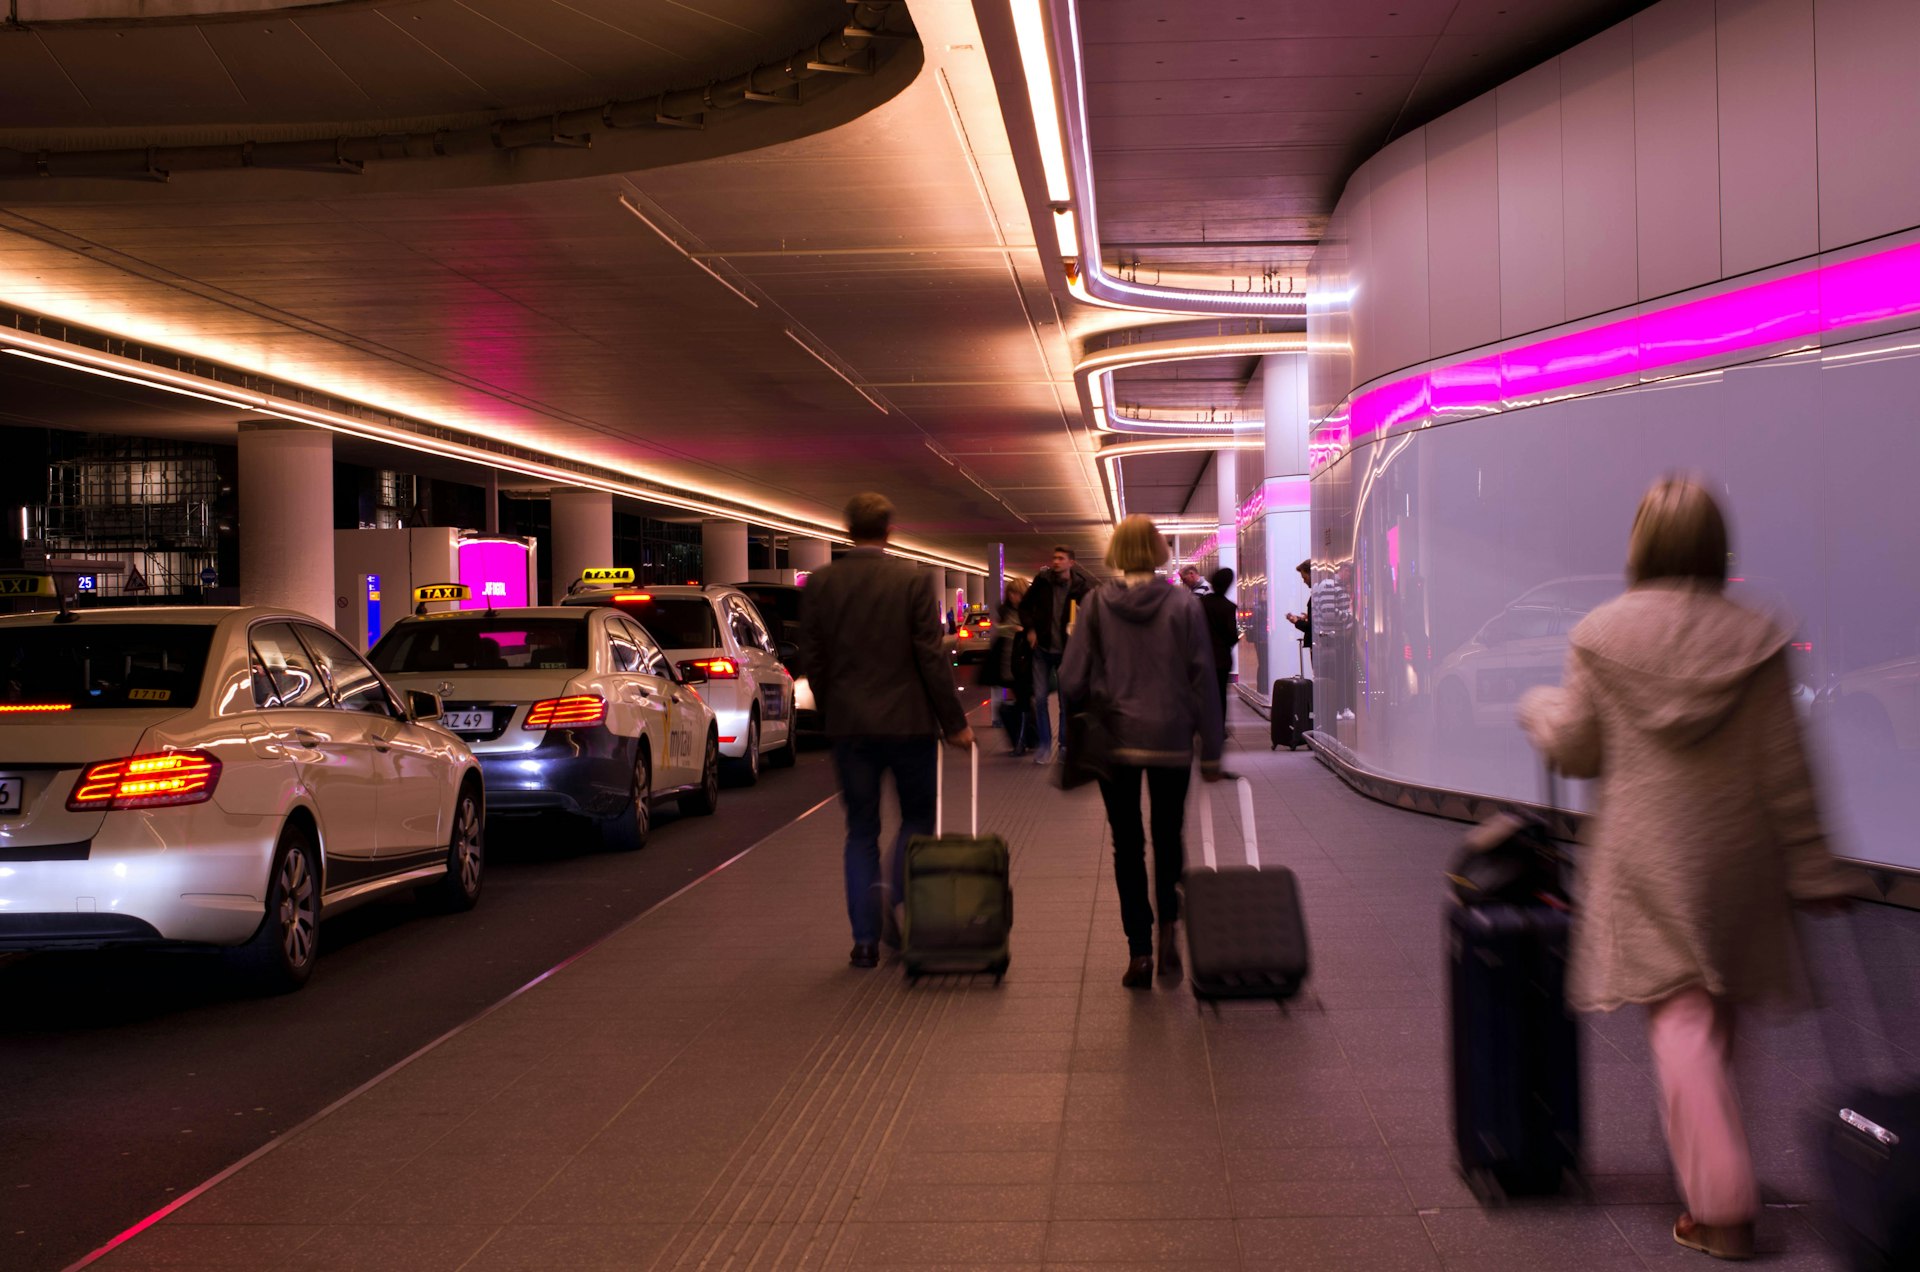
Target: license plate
{"points": [[10, 793], [469, 721]]}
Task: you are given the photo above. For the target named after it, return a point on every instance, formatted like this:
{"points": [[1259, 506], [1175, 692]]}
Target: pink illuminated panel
{"points": [[1786, 312], [496, 570]]}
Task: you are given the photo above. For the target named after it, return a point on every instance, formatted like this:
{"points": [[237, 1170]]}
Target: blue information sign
{"points": [[209, 577], [86, 583]]}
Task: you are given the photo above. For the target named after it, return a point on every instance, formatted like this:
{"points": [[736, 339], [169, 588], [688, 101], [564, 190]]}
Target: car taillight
{"points": [[965, 634], [577, 712], [632, 598], [146, 781], [718, 668]]}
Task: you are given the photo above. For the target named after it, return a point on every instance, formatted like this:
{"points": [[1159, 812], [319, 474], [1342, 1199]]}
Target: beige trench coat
{"points": [[1706, 829]]}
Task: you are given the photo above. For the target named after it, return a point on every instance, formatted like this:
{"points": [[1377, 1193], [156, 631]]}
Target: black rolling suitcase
{"points": [[1870, 1139], [1246, 935], [1873, 1162], [1292, 714], [1516, 1053]]}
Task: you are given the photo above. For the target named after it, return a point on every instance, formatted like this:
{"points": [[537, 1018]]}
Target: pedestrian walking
{"points": [[1046, 612], [1223, 628], [871, 639], [1679, 702], [1011, 660], [1140, 657]]}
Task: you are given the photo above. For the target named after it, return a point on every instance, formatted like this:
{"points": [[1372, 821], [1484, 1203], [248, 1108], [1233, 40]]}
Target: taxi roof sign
{"points": [[442, 592], [16, 584], [616, 574]]}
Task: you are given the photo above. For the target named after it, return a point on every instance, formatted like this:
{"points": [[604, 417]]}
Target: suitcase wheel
{"points": [[999, 969]]}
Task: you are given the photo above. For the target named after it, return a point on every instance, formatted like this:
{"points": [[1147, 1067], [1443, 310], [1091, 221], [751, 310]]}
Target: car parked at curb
{"points": [[220, 777], [569, 710]]}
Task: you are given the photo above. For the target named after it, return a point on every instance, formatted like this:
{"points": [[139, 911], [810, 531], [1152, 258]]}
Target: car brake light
{"points": [[965, 634], [718, 668], [146, 781], [9, 708], [577, 712], [631, 598]]}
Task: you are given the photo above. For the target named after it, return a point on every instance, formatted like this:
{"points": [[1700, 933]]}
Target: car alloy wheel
{"points": [[297, 914], [459, 889], [627, 830]]}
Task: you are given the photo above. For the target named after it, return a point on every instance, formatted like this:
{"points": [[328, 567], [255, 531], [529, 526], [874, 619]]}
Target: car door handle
{"points": [[307, 737], [382, 744]]}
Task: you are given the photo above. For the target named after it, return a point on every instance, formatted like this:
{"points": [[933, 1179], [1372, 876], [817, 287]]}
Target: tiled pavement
{"points": [[713, 1087]]}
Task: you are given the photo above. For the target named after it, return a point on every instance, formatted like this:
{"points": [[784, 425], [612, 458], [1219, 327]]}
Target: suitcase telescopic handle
{"points": [[940, 790], [1207, 852]]}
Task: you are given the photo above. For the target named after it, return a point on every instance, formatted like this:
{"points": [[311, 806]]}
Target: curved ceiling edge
{"points": [[845, 76]]}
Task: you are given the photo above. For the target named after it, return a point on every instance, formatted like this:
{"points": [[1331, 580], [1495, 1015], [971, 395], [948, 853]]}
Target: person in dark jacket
{"points": [[1141, 651], [871, 638], [1223, 627], [1046, 612], [1304, 621], [1012, 661]]}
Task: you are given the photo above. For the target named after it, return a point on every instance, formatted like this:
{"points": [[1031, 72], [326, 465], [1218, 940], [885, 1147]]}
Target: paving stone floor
{"points": [[714, 1088]]}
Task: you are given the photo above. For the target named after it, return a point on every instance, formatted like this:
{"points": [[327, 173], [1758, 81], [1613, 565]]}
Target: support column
{"points": [[582, 534], [723, 551], [1286, 528], [808, 554], [977, 589], [490, 521], [1226, 473], [286, 517], [956, 587]]}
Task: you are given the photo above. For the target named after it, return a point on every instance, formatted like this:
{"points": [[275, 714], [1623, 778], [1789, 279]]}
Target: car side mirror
{"points": [[423, 707], [789, 652], [692, 673]]}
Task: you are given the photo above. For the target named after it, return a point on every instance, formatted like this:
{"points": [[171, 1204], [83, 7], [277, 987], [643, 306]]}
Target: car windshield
{"points": [[86, 666], [677, 622], [481, 643]]}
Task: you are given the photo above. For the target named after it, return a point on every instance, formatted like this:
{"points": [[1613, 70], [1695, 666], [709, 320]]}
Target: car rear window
{"points": [[90, 666], [483, 644], [676, 622]]}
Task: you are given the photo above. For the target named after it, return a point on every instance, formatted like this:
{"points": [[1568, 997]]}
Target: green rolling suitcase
{"points": [[959, 901]]}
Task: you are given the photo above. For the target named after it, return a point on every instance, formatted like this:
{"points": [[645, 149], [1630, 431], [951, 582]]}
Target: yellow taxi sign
{"points": [[607, 574], [26, 585], [442, 592]]}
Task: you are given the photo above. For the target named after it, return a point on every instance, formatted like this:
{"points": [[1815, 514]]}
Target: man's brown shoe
{"points": [[1722, 1241], [1170, 949], [865, 954], [1139, 973]]}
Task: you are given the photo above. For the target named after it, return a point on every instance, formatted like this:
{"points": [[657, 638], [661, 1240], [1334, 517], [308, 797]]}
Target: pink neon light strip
{"points": [[1796, 309]]}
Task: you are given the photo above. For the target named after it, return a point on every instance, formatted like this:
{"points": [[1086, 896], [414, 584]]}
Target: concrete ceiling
{"points": [[1223, 132], [548, 314], [882, 317]]}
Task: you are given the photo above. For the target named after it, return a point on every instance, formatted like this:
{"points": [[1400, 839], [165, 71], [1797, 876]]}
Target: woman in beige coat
{"points": [[1705, 836]]}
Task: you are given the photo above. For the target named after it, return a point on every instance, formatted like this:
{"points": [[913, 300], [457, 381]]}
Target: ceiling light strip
{"points": [[673, 243], [824, 361], [130, 371], [1091, 281]]}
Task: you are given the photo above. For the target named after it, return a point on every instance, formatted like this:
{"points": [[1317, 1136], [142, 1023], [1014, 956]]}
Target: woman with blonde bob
{"points": [[1142, 653], [1678, 701]]}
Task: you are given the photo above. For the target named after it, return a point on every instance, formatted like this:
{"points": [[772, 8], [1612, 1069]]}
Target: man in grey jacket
{"points": [[871, 640]]}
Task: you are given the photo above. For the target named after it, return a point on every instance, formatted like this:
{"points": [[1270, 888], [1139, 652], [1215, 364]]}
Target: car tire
{"points": [[466, 854], [787, 755], [279, 957], [701, 802], [629, 829], [746, 769]]}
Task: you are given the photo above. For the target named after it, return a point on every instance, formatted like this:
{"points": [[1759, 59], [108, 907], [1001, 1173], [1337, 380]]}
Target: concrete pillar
{"points": [[977, 589], [1287, 528], [808, 554], [723, 551], [1226, 474], [286, 517], [490, 520], [582, 534]]}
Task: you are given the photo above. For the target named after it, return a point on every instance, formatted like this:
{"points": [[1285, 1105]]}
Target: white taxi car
{"points": [[569, 710], [717, 632], [218, 776]]}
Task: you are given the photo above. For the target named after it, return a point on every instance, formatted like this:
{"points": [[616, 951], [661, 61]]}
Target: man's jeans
{"points": [[1046, 684], [860, 763]]}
